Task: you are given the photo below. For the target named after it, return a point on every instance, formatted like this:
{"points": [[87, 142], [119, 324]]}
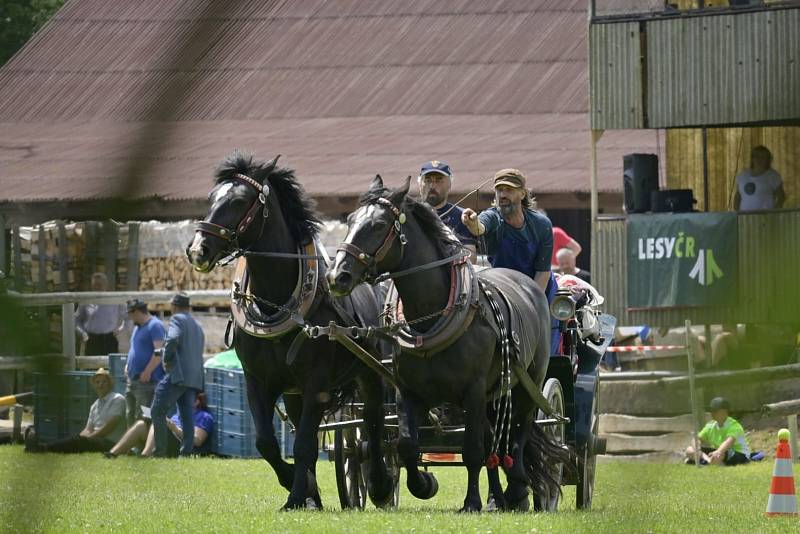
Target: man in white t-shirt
{"points": [[760, 187], [105, 425]]}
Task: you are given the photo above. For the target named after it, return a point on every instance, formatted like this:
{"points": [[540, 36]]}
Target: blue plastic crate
{"points": [[75, 425], [79, 406], [233, 378], [213, 394], [116, 364], [49, 406], [237, 445], [78, 384], [49, 428], [233, 399], [120, 385], [237, 421]]}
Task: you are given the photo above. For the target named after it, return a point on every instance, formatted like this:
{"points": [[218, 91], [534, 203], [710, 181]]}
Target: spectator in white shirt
{"points": [[760, 187], [105, 425], [100, 324]]}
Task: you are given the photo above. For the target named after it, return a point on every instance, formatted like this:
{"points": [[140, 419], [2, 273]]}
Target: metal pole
{"points": [[792, 423], [705, 170], [594, 137], [690, 359], [68, 333]]}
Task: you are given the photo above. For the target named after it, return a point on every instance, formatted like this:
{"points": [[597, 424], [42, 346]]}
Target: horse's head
{"points": [[238, 211], [375, 238]]}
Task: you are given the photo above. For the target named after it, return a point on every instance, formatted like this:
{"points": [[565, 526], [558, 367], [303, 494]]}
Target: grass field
{"points": [[87, 493]]}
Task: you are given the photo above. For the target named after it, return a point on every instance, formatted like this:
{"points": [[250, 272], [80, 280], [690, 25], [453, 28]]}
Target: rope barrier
{"points": [[642, 348]]}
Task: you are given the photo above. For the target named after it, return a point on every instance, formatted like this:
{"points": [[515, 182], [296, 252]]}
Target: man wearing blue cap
{"points": [[435, 179], [184, 379]]}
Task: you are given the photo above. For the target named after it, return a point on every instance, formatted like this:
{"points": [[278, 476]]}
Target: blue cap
{"points": [[436, 166]]}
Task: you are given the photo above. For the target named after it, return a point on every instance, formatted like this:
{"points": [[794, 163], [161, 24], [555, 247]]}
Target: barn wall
{"points": [[729, 153]]}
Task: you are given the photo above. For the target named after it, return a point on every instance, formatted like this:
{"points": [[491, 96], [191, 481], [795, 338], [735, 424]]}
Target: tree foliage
{"points": [[19, 20]]}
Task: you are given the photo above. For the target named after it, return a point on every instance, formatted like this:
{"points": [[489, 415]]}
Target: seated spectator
{"points": [[722, 440], [105, 425], [562, 239], [760, 187], [566, 265], [142, 436]]}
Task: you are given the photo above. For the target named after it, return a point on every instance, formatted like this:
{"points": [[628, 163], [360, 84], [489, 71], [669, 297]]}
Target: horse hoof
{"points": [[430, 489], [312, 490], [384, 496], [523, 505], [308, 504], [494, 505], [470, 509]]}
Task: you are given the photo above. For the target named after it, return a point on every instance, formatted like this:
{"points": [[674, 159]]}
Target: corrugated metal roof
{"points": [[343, 88]]}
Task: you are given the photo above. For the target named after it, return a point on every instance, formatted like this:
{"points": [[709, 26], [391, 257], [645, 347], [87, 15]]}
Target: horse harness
{"points": [[259, 203]]}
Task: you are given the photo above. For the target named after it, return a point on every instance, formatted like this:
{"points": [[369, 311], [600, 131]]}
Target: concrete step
{"points": [[646, 458], [625, 443], [629, 424]]}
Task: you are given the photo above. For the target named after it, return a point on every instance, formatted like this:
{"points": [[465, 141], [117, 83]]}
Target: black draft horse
{"points": [[260, 211], [390, 233]]}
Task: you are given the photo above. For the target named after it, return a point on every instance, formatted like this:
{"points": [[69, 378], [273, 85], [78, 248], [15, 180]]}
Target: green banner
{"points": [[682, 259]]}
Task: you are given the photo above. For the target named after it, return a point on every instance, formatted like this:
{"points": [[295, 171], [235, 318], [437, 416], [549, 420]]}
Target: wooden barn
{"points": [[121, 110]]}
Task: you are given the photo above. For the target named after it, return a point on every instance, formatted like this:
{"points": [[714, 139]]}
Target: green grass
{"points": [[87, 493]]}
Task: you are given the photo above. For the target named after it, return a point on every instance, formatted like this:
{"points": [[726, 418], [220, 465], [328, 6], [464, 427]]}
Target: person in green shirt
{"points": [[722, 440]]}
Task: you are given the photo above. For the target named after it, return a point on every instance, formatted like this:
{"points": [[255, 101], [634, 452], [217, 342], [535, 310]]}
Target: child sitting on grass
{"points": [[722, 440]]}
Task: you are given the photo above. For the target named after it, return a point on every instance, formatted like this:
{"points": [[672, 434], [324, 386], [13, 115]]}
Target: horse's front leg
{"points": [[305, 450], [261, 397], [421, 484], [380, 485], [473, 450]]}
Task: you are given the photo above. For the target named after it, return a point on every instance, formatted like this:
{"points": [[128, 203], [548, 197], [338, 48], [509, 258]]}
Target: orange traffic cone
{"points": [[782, 500]]}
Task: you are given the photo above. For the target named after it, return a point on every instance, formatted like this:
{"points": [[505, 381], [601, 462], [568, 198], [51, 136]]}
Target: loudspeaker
{"points": [[674, 200], [640, 179]]}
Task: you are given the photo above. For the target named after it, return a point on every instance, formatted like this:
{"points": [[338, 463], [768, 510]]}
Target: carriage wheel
{"points": [[393, 463], [351, 467], [587, 461], [555, 396], [351, 461]]}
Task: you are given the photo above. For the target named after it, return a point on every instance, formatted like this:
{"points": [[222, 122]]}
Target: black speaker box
{"points": [[640, 179], [672, 200]]}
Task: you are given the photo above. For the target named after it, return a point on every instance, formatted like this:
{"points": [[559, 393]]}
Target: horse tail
{"points": [[542, 453]]}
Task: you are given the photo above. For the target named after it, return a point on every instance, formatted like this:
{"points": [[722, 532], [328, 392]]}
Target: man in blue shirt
{"points": [[435, 180], [516, 236], [183, 361], [143, 368]]}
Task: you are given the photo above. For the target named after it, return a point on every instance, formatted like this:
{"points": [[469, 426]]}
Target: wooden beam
{"points": [[68, 333], [16, 245], [110, 247], [764, 374], [198, 297], [133, 256], [790, 407], [63, 257]]}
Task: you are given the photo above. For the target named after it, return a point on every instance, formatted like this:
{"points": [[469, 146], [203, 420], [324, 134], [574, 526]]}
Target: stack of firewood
{"points": [[175, 273]]}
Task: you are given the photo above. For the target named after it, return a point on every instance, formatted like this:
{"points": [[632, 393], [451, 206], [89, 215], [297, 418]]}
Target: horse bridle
{"points": [[232, 236], [370, 261]]}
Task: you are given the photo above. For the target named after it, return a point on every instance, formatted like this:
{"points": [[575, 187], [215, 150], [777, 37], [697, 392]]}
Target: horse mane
{"points": [[299, 210], [427, 218]]}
